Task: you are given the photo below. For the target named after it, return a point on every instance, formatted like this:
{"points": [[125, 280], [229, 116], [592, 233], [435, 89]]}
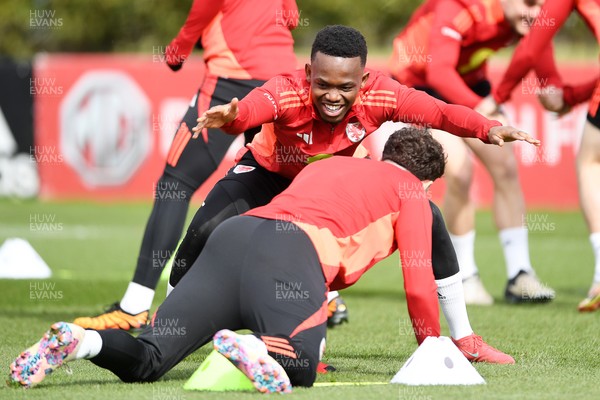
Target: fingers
{"points": [[201, 122], [500, 134]]}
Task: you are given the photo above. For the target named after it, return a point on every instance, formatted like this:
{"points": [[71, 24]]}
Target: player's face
{"points": [[521, 14], [335, 83]]}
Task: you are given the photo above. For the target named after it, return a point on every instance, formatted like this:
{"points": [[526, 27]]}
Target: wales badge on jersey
{"points": [[355, 131]]}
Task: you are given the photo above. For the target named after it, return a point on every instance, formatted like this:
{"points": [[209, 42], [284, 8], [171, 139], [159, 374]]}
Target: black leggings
{"points": [[251, 276]]}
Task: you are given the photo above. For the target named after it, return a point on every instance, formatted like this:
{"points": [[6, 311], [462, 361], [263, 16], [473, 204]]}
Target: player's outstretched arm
{"points": [[217, 116], [499, 134]]}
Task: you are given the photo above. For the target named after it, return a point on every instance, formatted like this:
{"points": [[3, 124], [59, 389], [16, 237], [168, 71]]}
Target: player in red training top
{"points": [[326, 110], [553, 15], [444, 51], [269, 270], [237, 37]]}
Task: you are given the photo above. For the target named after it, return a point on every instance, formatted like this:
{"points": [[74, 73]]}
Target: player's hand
{"points": [[552, 99], [488, 106], [174, 57], [217, 116], [500, 134]]}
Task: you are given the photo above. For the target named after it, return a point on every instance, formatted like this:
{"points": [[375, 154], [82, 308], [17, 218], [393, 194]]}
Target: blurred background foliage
{"points": [[141, 25]]}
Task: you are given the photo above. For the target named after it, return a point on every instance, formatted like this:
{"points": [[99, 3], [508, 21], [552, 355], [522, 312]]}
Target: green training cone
{"points": [[218, 374]]}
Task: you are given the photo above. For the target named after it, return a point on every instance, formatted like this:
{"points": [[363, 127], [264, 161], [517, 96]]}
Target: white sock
{"points": [[516, 250], [595, 241], [137, 298], [452, 300], [332, 295], [464, 246], [90, 345], [169, 289]]}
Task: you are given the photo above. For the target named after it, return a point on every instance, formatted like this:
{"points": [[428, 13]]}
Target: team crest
{"points": [[242, 169], [355, 131]]}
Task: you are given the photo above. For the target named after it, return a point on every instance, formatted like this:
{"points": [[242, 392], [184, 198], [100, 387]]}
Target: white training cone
{"points": [[438, 361], [18, 260]]}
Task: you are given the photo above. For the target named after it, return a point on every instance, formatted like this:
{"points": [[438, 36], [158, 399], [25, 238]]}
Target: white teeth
{"points": [[332, 108]]}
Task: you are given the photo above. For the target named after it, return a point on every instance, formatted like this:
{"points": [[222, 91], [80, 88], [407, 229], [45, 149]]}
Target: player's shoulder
{"points": [[379, 80], [290, 89], [380, 90]]}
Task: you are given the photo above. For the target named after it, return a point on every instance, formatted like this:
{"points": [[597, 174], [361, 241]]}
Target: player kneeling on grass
{"points": [[270, 269]]}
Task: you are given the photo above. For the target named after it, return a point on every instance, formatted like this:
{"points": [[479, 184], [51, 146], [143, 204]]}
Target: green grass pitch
{"points": [[92, 249]]}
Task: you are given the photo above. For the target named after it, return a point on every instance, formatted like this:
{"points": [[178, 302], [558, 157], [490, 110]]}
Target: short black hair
{"points": [[340, 41], [417, 151]]}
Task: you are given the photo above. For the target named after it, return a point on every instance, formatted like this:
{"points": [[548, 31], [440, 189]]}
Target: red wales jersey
{"points": [[358, 212], [242, 39], [447, 43], [293, 133], [552, 16]]}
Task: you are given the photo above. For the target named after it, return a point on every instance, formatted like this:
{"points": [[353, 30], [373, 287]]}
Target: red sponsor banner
{"points": [[103, 126]]}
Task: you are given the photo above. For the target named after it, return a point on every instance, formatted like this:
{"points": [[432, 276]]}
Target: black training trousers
{"points": [[256, 274]]}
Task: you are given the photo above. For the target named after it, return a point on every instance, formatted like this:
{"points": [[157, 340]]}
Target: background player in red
{"points": [[238, 37], [444, 51], [295, 248], [553, 15]]}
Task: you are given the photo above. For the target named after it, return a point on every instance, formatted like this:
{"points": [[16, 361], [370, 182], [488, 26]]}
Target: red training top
{"points": [[293, 131], [552, 16], [447, 43], [358, 212], [242, 39]]}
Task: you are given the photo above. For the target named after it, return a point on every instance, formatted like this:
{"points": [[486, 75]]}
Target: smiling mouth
{"points": [[333, 109]]}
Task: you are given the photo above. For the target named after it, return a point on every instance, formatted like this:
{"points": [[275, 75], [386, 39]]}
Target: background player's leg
{"points": [[588, 175], [189, 164], [510, 212]]}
